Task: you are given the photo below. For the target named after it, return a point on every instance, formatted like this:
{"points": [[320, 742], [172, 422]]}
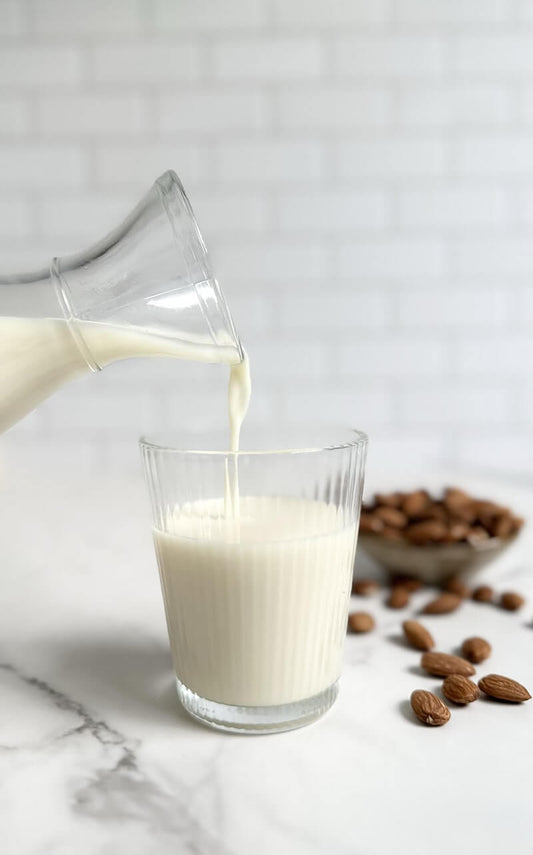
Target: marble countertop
{"points": [[97, 758]]}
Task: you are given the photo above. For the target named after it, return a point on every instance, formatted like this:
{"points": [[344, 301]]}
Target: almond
{"points": [[454, 496], [455, 585], [390, 500], [443, 604], [364, 587], [511, 601], [457, 531], [459, 504], [442, 664], [429, 709], [488, 510], [416, 503], [483, 594], [369, 523], [436, 511], [428, 531], [398, 598], [412, 583], [391, 517], [502, 526], [503, 689], [361, 622], [417, 635], [476, 649], [460, 689], [477, 534]]}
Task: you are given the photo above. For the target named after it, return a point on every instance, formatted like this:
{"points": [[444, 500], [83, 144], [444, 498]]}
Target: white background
{"points": [[362, 173]]}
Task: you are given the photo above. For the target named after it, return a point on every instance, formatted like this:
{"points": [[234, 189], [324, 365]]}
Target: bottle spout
{"points": [[151, 274]]}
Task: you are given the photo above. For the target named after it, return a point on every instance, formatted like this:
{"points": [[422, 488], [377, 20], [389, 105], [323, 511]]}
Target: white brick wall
{"points": [[363, 175]]}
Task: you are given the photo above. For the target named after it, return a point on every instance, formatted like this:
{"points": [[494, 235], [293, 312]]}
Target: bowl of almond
{"points": [[435, 537]]}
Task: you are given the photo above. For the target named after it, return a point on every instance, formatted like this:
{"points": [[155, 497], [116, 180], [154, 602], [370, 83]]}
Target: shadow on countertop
{"points": [[118, 676]]}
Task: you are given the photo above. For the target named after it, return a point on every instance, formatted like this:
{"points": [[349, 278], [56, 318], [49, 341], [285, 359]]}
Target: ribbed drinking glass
{"points": [[255, 552]]}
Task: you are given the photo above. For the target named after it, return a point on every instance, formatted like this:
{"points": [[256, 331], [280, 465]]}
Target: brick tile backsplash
{"points": [[209, 15], [43, 166], [65, 17], [15, 218], [82, 115], [508, 155], [348, 311], [39, 67], [156, 62], [392, 258], [496, 55], [399, 158], [452, 104], [393, 357], [123, 163], [15, 117], [333, 211], [333, 108], [194, 113], [268, 59], [11, 18], [390, 56], [454, 207], [333, 15], [273, 161], [458, 307], [452, 12], [362, 173]]}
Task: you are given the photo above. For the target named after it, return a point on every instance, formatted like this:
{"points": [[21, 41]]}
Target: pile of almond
{"points": [[420, 519], [456, 671]]}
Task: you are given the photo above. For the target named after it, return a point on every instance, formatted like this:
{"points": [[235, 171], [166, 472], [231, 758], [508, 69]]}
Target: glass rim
{"points": [[353, 438]]}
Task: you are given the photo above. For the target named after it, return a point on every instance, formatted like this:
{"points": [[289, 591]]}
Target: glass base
{"points": [[257, 720]]}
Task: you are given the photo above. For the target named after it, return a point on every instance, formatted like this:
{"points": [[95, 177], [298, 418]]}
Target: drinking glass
{"points": [[255, 552]]}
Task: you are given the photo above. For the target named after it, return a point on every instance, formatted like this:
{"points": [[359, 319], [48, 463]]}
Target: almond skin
{"points": [[390, 500], [460, 689], [398, 598], [476, 649], [364, 587], [442, 664], [416, 503], [391, 517], [511, 601], [417, 635], [369, 523], [483, 594], [428, 531], [455, 585], [459, 504], [502, 526], [503, 689], [443, 605], [361, 622], [429, 709], [412, 583]]}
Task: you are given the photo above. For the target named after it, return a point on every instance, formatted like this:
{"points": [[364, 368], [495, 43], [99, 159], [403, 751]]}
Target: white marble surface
{"points": [[97, 758]]}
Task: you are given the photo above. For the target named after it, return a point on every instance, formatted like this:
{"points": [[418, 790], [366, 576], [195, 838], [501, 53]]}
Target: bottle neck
{"points": [[63, 298]]}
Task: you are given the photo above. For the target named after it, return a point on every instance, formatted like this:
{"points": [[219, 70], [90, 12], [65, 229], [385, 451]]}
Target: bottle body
{"points": [[39, 355]]}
